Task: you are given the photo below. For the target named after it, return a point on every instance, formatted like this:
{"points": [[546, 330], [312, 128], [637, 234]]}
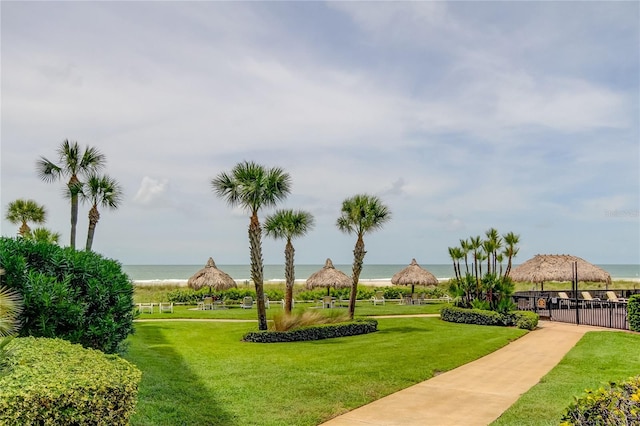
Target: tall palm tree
{"points": [[102, 191], [22, 211], [465, 246], [496, 244], [474, 246], [252, 186], [456, 254], [510, 250], [361, 213], [288, 224], [74, 163]]}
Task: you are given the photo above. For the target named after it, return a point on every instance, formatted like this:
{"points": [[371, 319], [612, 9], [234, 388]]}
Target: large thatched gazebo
{"points": [[328, 277], [557, 267], [212, 277], [414, 275]]}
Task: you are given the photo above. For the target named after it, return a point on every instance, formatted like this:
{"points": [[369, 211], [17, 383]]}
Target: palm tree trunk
{"points": [[24, 229], [289, 276], [358, 258], [74, 186], [94, 217], [255, 244]]}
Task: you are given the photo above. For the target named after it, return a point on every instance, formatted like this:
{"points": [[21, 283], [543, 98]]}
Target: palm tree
{"points": [[465, 246], [22, 211], [288, 224], [252, 186], [100, 190], [474, 247], [44, 235], [74, 164], [360, 214], [511, 251], [496, 244], [456, 254]]}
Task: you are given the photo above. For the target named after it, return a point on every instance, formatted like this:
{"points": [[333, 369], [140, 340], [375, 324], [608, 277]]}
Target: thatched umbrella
{"points": [[328, 277], [414, 274], [557, 267], [211, 276]]}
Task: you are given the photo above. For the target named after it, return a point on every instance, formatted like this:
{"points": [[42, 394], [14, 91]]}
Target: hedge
{"points": [[617, 404], [79, 296], [54, 382], [633, 310], [521, 319], [316, 332]]}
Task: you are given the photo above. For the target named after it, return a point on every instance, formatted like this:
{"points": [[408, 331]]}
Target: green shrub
{"points": [[75, 295], [525, 320], [617, 404], [521, 319], [53, 382], [633, 310], [317, 332]]}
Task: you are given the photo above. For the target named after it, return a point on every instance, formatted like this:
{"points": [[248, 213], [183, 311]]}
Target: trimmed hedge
{"points": [[633, 310], [617, 404], [317, 332], [521, 319], [54, 382], [78, 296]]}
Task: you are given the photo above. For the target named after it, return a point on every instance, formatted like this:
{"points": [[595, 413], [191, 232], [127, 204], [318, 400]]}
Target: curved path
{"points": [[476, 393]]}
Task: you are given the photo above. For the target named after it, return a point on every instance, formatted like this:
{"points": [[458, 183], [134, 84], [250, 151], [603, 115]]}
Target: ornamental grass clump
{"points": [[286, 322]]}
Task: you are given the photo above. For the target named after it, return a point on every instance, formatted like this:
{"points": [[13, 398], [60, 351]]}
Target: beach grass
{"points": [[597, 359], [198, 373]]}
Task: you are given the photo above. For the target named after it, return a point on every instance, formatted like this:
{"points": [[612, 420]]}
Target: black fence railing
{"points": [[555, 306]]}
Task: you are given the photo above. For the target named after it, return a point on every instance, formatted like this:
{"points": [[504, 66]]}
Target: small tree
{"points": [[361, 214], [288, 224], [23, 211], [43, 235]]}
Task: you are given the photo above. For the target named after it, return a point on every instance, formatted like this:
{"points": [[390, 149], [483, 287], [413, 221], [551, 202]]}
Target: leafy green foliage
{"points": [[53, 382], [317, 332], [616, 404], [521, 319], [75, 295], [633, 309]]}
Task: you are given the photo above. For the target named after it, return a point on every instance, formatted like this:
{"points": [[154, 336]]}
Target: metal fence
{"points": [[598, 312]]}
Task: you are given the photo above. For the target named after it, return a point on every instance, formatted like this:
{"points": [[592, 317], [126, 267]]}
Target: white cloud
{"points": [[152, 192]]}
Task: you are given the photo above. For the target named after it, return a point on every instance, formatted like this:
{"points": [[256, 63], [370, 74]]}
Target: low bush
{"points": [[54, 382], [633, 309], [75, 295], [317, 332], [521, 319], [617, 404]]}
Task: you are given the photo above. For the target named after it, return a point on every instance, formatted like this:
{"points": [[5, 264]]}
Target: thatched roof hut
{"points": [[557, 267], [328, 277], [212, 277], [414, 275]]}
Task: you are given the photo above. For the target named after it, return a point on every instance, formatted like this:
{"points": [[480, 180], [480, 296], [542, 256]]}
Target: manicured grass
{"points": [[599, 357], [197, 373], [235, 312]]}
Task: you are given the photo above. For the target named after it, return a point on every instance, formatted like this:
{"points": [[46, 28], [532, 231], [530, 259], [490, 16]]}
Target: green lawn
{"points": [[197, 373], [599, 357], [362, 308]]}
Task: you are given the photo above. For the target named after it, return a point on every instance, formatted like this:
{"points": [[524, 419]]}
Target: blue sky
{"points": [[461, 116]]}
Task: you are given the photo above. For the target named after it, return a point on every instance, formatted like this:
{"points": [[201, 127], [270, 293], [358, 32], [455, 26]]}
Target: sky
{"points": [[460, 116]]}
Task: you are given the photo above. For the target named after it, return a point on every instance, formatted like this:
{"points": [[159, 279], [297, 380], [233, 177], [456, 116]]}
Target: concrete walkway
{"points": [[476, 393]]}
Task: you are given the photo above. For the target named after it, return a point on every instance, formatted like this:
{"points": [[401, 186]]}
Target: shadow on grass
{"points": [[390, 330], [170, 391]]}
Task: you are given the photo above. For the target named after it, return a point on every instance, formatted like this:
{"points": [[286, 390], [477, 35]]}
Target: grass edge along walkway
{"points": [[476, 393]]}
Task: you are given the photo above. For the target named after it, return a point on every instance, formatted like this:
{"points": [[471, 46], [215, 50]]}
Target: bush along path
{"points": [[475, 393]]}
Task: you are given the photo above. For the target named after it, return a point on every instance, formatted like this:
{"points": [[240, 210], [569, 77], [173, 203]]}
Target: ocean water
{"points": [[276, 272]]}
